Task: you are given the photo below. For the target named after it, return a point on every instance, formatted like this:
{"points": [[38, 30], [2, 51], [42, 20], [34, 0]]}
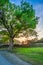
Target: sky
{"points": [[38, 6]]}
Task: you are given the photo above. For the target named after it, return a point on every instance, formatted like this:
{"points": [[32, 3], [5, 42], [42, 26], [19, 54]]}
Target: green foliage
{"points": [[30, 32], [5, 39], [17, 18], [32, 55], [2, 2], [4, 32]]}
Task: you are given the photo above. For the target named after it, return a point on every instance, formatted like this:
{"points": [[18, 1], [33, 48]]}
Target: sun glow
{"points": [[24, 40]]}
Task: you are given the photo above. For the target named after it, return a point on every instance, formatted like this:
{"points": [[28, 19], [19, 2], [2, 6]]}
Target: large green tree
{"points": [[16, 19]]}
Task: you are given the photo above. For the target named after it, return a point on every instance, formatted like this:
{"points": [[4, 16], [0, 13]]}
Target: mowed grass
{"points": [[30, 55]]}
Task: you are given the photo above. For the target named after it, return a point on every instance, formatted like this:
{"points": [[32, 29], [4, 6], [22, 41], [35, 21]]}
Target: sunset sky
{"points": [[38, 6]]}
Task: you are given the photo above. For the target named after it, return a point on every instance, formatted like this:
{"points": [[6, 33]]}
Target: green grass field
{"points": [[30, 55]]}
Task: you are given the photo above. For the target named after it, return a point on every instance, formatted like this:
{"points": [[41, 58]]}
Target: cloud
{"points": [[39, 12], [40, 34]]}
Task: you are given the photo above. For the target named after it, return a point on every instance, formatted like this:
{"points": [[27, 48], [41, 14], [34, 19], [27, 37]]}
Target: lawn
{"points": [[30, 55]]}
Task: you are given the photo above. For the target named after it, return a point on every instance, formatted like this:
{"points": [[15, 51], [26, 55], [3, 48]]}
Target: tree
{"points": [[40, 40], [30, 32], [16, 19]]}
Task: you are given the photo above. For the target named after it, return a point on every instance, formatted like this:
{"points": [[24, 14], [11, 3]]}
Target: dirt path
{"points": [[7, 58]]}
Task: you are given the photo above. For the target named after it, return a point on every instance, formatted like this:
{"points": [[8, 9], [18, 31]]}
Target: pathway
{"points": [[7, 58]]}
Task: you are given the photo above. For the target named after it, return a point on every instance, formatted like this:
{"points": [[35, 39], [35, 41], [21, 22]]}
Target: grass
{"points": [[30, 55], [3, 49]]}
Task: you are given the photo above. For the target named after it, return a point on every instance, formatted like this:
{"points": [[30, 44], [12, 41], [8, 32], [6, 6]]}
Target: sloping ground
{"points": [[7, 58], [33, 55], [3, 61]]}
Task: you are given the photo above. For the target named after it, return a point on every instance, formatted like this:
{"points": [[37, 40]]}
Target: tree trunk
{"points": [[11, 44]]}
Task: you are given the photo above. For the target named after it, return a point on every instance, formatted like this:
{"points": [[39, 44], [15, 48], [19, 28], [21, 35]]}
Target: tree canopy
{"points": [[16, 19]]}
